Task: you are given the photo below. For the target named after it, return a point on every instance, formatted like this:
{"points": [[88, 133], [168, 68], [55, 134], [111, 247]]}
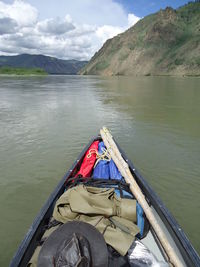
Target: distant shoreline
{"points": [[8, 71], [43, 75], [143, 75]]}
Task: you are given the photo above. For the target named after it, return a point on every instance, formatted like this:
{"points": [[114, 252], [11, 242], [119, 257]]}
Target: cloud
{"points": [[7, 25], [22, 30], [56, 26], [82, 29], [132, 19], [106, 32], [91, 12], [23, 13]]}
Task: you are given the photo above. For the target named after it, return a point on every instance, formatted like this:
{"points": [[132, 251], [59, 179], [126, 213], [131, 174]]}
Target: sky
{"points": [[69, 29]]}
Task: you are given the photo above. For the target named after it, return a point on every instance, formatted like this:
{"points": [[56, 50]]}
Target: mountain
{"points": [[51, 65], [164, 43]]}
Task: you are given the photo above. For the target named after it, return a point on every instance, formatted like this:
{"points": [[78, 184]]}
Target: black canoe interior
{"points": [[36, 230]]}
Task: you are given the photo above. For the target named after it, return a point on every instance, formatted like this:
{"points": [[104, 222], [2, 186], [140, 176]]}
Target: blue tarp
{"points": [[106, 169], [114, 173], [140, 218], [102, 168]]}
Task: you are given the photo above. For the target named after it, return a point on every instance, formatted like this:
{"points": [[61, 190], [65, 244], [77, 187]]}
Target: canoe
{"points": [[175, 234]]}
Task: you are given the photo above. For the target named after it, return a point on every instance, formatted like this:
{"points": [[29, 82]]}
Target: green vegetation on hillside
{"points": [[164, 43], [22, 71]]}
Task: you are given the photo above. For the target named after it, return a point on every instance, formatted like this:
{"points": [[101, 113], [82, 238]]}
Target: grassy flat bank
{"points": [[22, 71]]}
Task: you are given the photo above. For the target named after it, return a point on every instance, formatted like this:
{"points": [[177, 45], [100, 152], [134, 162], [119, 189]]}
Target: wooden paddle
{"points": [[135, 189]]}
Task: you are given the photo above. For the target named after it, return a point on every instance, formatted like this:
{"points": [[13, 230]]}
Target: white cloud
{"points": [[23, 31], [106, 32], [82, 29], [56, 25], [7, 25], [92, 12], [23, 13], [132, 19]]}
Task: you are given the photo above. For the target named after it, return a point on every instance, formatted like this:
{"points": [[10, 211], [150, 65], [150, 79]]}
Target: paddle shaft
{"points": [[135, 189]]}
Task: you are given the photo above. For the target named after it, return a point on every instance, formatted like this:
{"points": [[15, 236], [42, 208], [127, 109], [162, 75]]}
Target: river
{"points": [[46, 121]]}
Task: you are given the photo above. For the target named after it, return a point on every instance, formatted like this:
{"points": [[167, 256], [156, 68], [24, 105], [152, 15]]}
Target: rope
{"points": [[105, 155]]}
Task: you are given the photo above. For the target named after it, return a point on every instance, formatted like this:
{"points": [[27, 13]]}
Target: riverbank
{"points": [[21, 71]]}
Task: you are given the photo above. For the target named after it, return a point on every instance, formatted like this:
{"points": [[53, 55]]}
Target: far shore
{"points": [[15, 71], [35, 72]]}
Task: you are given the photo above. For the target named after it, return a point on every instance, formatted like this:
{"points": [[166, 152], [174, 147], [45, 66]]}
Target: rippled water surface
{"points": [[46, 121]]}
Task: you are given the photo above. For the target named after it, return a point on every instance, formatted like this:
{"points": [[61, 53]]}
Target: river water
{"points": [[46, 121]]}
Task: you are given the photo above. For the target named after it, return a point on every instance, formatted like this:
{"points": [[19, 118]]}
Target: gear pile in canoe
{"points": [[103, 214]]}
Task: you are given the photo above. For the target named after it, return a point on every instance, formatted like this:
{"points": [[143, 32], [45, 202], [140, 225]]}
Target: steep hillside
{"points": [[164, 43], [49, 64]]}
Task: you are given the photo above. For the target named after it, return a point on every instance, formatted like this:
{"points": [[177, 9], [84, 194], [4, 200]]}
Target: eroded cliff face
{"points": [[164, 43]]}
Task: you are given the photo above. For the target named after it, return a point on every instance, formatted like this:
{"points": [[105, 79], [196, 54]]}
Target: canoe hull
{"points": [[30, 241]]}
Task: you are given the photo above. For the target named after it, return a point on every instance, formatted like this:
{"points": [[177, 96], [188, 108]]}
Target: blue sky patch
{"points": [[142, 8]]}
